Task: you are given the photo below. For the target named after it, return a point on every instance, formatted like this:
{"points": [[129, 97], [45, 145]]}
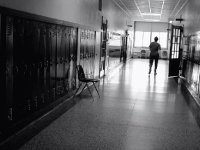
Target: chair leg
{"points": [[77, 90], [83, 88], [96, 88], [89, 91]]}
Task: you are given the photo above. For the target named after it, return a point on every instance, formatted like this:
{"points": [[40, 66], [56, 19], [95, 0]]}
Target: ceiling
{"points": [[151, 10]]}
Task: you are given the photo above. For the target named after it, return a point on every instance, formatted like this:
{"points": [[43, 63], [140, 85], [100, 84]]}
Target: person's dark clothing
{"points": [[154, 55]]}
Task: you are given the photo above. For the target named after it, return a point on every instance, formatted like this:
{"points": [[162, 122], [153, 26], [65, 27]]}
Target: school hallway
{"points": [[134, 112]]}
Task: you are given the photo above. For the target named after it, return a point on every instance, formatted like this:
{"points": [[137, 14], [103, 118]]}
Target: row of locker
{"points": [[192, 75], [193, 48], [38, 61], [191, 64]]}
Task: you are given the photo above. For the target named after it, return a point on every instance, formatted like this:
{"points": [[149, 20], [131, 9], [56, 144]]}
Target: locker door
{"points": [[66, 58], [3, 103], [73, 55], [90, 54], [175, 48], [87, 67], [81, 47], [102, 69], [59, 65], [62, 59], [18, 75], [75, 39], [41, 65], [9, 66], [35, 64], [27, 67], [52, 49], [93, 52], [47, 64]]}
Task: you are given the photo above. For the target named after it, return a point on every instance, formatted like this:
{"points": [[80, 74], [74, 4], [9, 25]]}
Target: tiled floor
{"points": [[135, 112]]}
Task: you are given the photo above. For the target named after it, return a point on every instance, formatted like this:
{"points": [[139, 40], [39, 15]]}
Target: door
{"points": [[103, 48], [124, 49], [175, 51]]}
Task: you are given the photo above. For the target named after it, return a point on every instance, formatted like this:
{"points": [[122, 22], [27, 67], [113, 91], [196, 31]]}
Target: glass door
{"points": [[175, 51]]}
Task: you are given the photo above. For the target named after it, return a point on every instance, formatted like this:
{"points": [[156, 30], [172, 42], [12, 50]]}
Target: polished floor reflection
{"points": [[135, 112]]}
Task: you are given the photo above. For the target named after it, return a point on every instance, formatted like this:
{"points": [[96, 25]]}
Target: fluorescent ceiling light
{"points": [[150, 14], [156, 20]]}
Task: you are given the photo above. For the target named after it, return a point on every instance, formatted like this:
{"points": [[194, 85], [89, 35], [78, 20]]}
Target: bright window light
{"points": [[143, 39], [138, 38], [162, 38], [146, 39], [154, 20], [153, 35]]}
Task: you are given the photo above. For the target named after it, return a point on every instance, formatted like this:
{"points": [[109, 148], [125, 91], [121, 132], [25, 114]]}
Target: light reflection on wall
{"points": [[192, 71]]}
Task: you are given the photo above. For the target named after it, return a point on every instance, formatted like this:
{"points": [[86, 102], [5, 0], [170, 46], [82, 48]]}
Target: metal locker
{"points": [[41, 65], [62, 60], [19, 99], [9, 66], [82, 47], [35, 64], [3, 102], [51, 47], [87, 54], [32, 33], [73, 58], [27, 65], [46, 66], [59, 64], [66, 51]]}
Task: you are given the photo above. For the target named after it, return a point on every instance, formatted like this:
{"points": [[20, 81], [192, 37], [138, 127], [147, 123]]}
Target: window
{"points": [[153, 35], [146, 39], [138, 38], [162, 38], [142, 39]]}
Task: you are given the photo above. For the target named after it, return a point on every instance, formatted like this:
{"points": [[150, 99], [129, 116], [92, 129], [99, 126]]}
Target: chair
{"points": [[83, 79]]}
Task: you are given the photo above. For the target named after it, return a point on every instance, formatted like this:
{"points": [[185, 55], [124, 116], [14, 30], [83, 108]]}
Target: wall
{"points": [[83, 12], [191, 47], [191, 17], [151, 26], [43, 53], [117, 19], [117, 23]]}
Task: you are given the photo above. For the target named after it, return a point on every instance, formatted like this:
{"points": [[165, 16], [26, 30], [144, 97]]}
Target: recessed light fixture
{"points": [[156, 20], [150, 14]]}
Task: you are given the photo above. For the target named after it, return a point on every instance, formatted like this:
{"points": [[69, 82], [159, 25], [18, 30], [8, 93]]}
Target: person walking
{"points": [[154, 54]]}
